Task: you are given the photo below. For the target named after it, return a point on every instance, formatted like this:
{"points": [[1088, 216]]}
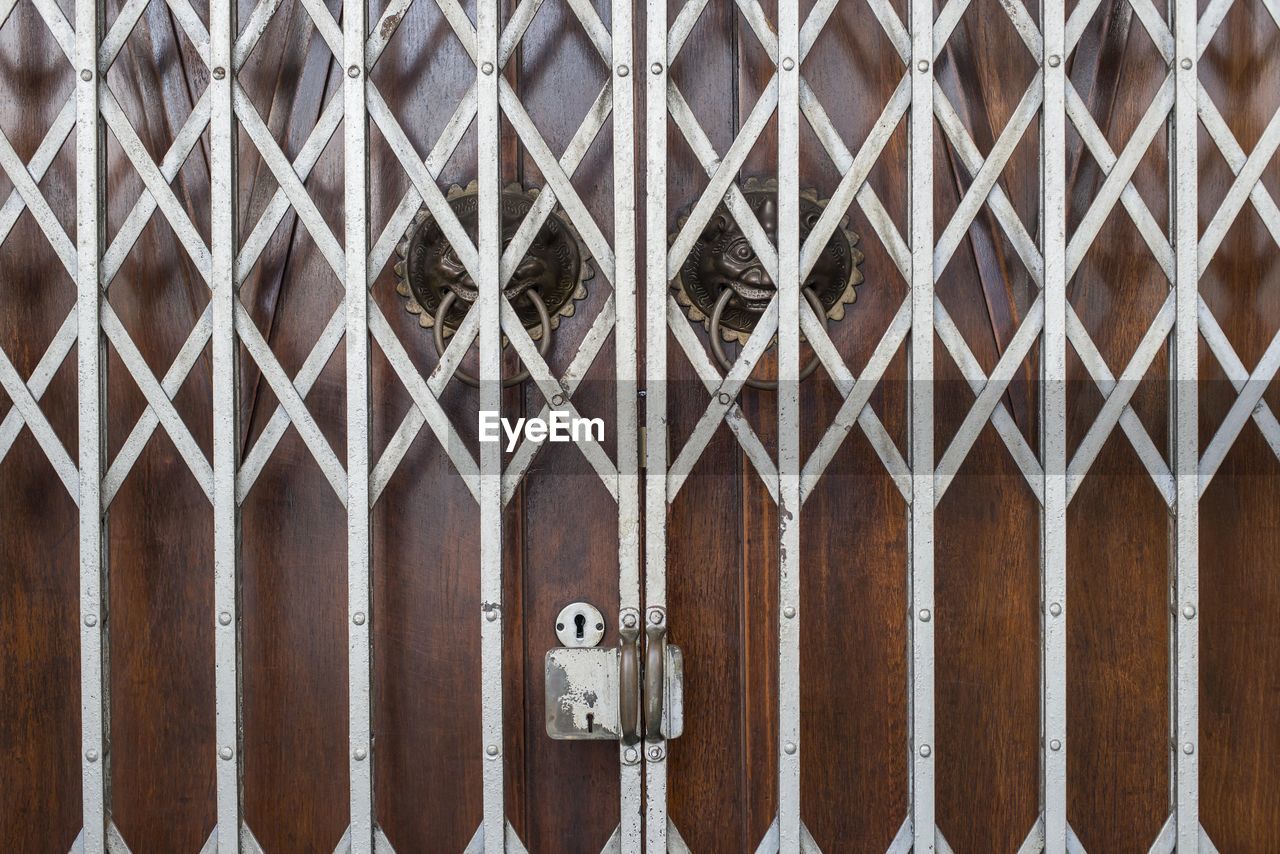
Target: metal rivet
{"points": [[924, 750], [1054, 60], [1055, 609], [358, 618], [788, 64], [557, 400], [1186, 64], [91, 619], [630, 756], [789, 748], [486, 67], [1188, 748], [225, 753], [491, 614], [1055, 745], [628, 619], [91, 755], [353, 71], [360, 754], [655, 753], [219, 73], [655, 616], [724, 398], [1189, 612], [656, 68], [925, 616], [86, 75], [224, 618], [788, 612], [641, 393], [491, 750], [623, 71], [923, 65]]}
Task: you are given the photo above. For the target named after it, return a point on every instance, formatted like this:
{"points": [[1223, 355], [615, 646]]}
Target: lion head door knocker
{"points": [[723, 284], [542, 288]]}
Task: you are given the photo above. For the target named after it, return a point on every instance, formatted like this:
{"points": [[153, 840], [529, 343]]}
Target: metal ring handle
{"points": [[654, 680], [718, 348], [544, 318], [629, 685]]}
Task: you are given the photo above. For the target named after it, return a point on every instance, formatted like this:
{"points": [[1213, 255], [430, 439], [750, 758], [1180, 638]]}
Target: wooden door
{"points": [[187, 129]]}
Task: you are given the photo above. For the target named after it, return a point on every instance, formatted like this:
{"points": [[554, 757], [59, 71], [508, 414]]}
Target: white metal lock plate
{"points": [[582, 693]]}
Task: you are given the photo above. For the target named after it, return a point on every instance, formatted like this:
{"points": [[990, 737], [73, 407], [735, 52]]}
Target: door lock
{"points": [[620, 693]]}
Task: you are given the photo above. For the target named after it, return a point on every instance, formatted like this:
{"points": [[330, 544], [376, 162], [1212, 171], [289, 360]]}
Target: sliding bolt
{"points": [[225, 754]]}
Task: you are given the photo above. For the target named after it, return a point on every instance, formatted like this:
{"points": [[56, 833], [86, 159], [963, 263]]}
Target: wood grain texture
{"points": [[722, 542]]}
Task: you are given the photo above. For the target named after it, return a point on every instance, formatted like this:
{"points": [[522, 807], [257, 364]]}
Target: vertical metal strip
{"points": [[490, 252], [355, 125], [788, 427], [920, 535], [630, 824], [92, 384], [1186, 540], [655, 350], [226, 423], [1053, 443]]}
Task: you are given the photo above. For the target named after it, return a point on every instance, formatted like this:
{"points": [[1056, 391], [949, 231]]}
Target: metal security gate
{"points": [[782, 180]]}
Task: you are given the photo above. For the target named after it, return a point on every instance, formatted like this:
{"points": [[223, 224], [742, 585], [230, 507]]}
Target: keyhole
{"points": [[580, 621], [591, 722]]}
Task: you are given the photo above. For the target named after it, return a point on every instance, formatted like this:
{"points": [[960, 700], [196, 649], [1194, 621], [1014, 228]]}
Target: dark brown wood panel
{"points": [[722, 541]]}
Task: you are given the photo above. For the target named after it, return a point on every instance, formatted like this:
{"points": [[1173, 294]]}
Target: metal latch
{"points": [[595, 692]]}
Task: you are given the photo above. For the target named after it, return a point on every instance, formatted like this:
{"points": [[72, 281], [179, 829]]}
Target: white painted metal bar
{"points": [[921, 511], [655, 450], [630, 833], [91, 378], [789, 301], [1184, 610], [489, 245], [1053, 434], [355, 127], [226, 426]]}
